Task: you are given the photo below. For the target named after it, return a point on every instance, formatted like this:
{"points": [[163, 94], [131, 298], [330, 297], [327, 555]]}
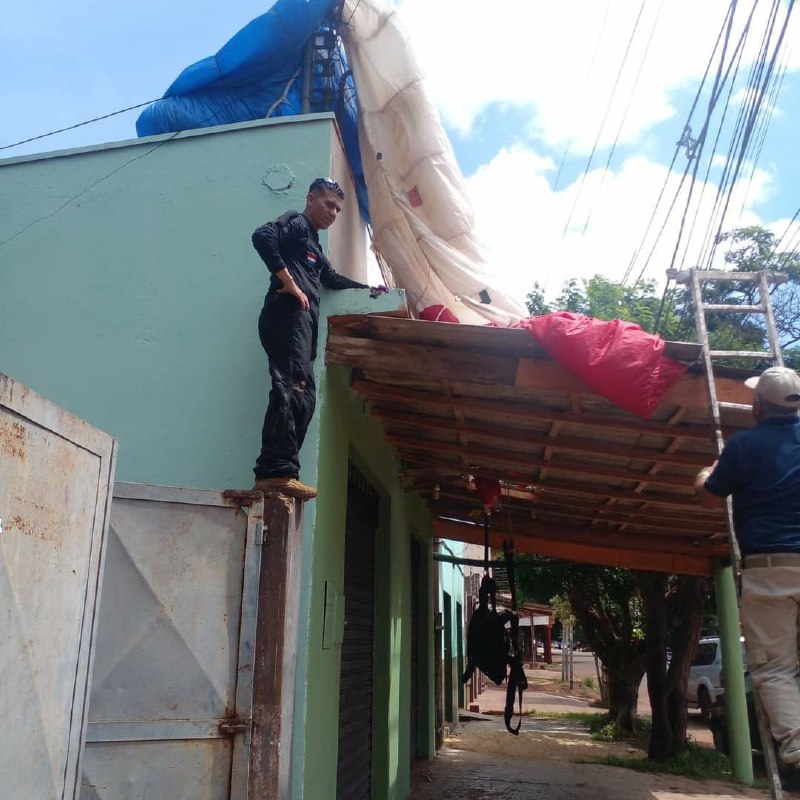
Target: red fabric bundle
{"points": [[617, 359]]}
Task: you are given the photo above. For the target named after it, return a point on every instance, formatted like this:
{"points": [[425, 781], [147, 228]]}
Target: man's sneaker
{"points": [[288, 486]]}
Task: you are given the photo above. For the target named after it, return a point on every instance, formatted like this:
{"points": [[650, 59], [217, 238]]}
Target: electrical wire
{"points": [[665, 184], [604, 120], [77, 125], [751, 120], [158, 145], [627, 110]]}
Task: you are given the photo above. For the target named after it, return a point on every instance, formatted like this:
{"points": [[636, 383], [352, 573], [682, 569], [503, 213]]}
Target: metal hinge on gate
{"points": [[260, 534], [235, 726]]}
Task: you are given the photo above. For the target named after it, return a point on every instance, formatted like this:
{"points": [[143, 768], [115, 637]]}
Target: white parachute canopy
{"points": [[422, 219]]}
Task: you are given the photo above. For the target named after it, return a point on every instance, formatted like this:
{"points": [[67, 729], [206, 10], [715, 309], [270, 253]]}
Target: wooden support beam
{"points": [[436, 363], [438, 467], [689, 390], [525, 412], [508, 460], [701, 564], [562, 443], [560, 515]]}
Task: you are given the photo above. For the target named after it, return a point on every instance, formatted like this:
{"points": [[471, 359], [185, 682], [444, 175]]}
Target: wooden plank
{"points": [[689, 390], [526, 412], [479, 456], [685, 537], [430, 362], [442, 469], [449, 506], [561, 443], [516, 341], [650, 542], [530, 501], [672, 563]]}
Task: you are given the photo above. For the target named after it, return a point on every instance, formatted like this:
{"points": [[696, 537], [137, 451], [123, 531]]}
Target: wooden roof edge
{"points": [[650, 560], [688, 352]]}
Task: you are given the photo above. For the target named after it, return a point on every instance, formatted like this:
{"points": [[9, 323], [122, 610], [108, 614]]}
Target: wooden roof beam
{"points": [[672, 563], [552, 486], [507, 461], [374, 391], [561, 443]]}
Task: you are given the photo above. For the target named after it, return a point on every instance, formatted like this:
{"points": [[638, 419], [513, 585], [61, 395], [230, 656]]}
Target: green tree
{"points": [[608, 606]]}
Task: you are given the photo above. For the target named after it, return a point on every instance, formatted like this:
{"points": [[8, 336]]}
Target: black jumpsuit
{"points": [[289, 336]]}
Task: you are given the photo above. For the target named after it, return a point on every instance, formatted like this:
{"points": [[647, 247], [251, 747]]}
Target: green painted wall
{"points": [[135, 305], [451, 580], [344, 429]]}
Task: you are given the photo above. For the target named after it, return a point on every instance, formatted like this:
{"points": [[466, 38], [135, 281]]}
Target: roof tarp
{"points": [[409, 184], [258, 73]]}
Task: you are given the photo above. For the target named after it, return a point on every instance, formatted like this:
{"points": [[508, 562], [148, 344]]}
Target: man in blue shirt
{"points": [[760, 469]]}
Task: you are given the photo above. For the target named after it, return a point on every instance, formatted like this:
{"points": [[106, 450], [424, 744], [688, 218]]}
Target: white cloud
{"points": [[561, 60], [525, 238]]}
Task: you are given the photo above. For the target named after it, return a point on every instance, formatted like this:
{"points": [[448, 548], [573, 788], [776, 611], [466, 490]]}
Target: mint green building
{"points": [[130, 295]]}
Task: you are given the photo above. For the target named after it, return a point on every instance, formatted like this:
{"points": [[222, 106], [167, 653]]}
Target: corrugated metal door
{"points": [[171, 699], [354, 777], [55, 476]]}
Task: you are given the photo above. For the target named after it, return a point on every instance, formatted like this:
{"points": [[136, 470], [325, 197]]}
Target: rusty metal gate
{"points": [[354, 773], [55, 477], [171, 698]]}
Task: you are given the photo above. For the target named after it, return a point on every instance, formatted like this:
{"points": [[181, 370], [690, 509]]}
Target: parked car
{"points": [[705, 675]]}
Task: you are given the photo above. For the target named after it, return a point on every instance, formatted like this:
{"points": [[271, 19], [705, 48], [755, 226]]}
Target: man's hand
{"points": [[707, 500], [290, 287]]}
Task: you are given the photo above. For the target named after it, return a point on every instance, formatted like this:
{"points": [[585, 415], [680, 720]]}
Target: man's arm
{"points": [[331, 279], [706, 498], [267, 241]]}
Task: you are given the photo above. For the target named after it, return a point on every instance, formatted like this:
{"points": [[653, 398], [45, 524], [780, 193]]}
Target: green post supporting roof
{"points": [[733, 672]]}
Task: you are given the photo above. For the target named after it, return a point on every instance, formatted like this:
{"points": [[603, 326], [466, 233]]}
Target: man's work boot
{"points": [[286, 485]]}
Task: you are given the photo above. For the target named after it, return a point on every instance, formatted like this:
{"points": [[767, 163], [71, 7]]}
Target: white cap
{"points": [[779, 386]]}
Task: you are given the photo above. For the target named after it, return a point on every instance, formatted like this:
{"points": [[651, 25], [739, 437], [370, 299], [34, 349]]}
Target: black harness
{"points": [[493, 638]]}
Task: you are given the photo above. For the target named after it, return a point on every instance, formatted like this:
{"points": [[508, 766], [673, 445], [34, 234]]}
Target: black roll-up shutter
{"points": [[354, 774]]}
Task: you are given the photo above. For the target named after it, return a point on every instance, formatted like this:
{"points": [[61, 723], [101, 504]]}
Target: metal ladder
{"points": [[694, 280]]}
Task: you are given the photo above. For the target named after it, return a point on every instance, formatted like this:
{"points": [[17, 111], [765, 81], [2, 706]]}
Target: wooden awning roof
{"points": [[583, 480]]}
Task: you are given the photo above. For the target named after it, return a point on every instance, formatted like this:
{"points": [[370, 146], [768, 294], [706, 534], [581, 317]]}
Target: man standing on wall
{"points": [[287, 327], [760, 468]]}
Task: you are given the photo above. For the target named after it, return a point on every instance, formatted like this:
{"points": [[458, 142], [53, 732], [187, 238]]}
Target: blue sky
{"points": [[518, 84]]}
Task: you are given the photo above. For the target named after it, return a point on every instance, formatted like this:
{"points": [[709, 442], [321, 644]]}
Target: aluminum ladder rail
{"points": [[764, 279]]}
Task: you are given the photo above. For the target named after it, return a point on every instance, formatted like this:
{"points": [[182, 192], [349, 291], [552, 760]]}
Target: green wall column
{"points": [[733, 672]]}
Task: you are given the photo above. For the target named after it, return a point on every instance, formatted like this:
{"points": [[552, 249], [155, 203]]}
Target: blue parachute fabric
{"points": [[258, 73]]}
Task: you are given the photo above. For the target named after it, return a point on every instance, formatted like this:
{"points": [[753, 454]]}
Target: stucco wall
{"points": [[130, 295], [451, 580], [347, 239], [134, 303]]}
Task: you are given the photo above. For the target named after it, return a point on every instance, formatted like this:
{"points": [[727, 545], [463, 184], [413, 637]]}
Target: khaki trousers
{"points": [[770, 617]]}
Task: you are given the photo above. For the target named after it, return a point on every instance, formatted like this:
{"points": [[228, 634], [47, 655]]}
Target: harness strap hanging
{"points": [[517, 681]]}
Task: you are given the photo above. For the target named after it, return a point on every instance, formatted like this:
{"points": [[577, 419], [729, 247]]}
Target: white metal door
{"points": [[171, 699], [55, 477]]}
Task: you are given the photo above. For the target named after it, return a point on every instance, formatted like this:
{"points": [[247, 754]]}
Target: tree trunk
{"points": [[612, 638], [623, 695], [654, 587], [687, 618], [673, 616]]}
